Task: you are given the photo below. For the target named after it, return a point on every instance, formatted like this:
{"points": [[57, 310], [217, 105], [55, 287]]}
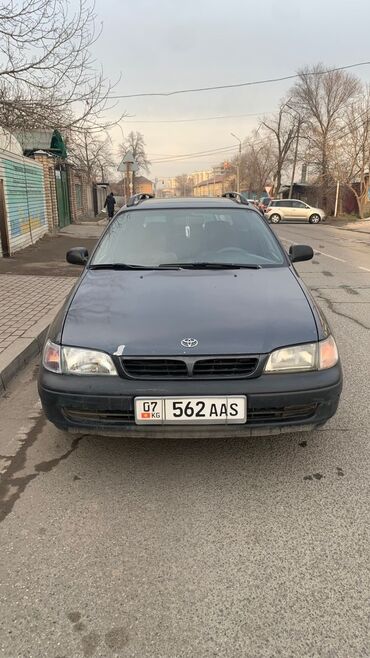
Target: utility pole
{"points": [[128, 181], [336, 200], [239, 162], [127, 165], [295, 157]]}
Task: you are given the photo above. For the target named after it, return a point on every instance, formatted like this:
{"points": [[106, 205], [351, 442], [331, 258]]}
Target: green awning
{"points": [[57, 145]]}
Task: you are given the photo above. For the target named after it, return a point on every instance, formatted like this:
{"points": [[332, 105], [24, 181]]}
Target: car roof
{"points": [[188, 202]]}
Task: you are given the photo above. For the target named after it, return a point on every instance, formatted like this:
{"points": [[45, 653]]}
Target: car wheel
{"points": [[315, 219], [275, 218]]}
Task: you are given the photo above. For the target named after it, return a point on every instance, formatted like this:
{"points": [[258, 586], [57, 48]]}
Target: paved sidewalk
{"points": [[359, 226], [48, 256], [33, 285], [25, 300]]}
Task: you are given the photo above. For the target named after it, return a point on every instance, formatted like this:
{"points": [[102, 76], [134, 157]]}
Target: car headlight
{"points": [[300, 358], [77, 361]]}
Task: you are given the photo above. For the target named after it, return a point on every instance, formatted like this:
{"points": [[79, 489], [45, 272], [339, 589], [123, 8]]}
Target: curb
{"points": [[352, 230], [24, 348]]}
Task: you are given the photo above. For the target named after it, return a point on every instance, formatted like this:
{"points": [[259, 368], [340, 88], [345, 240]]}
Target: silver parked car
{"points": [[279, 209]]}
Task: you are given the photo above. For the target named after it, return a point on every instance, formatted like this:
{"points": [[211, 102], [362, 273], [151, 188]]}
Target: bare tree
{"points": [[283, 129], [258, 163], [93, 154], [47, 72], [135, 143], [321, 96], [351, 154], [184, 186]]}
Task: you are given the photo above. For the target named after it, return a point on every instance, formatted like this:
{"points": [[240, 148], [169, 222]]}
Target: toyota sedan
{"points": [[189, 319]]}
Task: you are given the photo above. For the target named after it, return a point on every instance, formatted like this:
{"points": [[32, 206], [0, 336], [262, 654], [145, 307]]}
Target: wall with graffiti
{"points": [[24, 200]]}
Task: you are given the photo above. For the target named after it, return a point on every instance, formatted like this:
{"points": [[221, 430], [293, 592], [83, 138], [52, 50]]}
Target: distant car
{"points": [[189, 319], [263, 203], [285, 209]]}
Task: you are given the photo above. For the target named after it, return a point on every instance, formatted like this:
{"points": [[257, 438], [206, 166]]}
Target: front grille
{"points": [[155, 368], [255, 416], [100, 417], [225, 367], [184, 368], [278, 414]]}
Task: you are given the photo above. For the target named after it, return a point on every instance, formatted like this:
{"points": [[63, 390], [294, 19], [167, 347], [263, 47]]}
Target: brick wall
{"points": [[78, 193], [48, 164]]}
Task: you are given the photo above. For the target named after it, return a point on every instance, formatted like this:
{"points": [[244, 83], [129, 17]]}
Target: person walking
{"points": [[109, 204]]}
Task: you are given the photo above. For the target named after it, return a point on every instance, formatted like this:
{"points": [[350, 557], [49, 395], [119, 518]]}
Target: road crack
{"points": [[12, 485], [334, 310]]}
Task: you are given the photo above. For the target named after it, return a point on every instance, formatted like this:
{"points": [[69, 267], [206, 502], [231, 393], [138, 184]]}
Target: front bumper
{"points": [[105, 405]]}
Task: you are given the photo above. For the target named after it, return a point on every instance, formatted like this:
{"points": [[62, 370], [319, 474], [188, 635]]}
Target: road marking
{"points": [[323, 253], [288, 241]]}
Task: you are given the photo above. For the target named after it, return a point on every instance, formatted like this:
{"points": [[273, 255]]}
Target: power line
{"points": [[353, 125], [192, 157], [175, 155], [225, 150], [215, 118], [240, 84], [199, 154]]}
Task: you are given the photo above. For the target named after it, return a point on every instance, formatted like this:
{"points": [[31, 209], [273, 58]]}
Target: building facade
{"points": [[214, 186], [23, 212], [143, 185]]}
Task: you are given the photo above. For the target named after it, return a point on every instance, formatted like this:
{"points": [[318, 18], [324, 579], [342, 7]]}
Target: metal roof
{"points": [[44, 139]]}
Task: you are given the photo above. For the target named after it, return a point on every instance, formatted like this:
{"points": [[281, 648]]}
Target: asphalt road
{"points": [[196, 549]]}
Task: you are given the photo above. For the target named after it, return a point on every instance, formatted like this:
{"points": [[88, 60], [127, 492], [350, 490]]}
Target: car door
{"points": [[299, 209], [287, 208]]}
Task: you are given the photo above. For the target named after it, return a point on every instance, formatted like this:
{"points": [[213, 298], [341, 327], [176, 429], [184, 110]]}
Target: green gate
{"points": [[61, 185]]}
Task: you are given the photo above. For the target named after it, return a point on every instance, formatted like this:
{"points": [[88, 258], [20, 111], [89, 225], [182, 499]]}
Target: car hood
{"points": [[226, 311]]}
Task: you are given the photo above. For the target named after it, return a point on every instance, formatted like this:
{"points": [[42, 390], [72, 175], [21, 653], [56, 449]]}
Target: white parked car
{"points": [[279, 209]]}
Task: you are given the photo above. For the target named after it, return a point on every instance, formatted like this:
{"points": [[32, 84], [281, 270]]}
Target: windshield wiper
{"points": [[205, 265], [126, 266]]}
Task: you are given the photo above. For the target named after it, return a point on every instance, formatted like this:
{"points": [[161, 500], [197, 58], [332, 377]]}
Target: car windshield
{"points": [[176, 237]]}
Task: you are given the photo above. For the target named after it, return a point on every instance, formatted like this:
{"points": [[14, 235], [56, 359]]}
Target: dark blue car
{"points": [[189, 319]]}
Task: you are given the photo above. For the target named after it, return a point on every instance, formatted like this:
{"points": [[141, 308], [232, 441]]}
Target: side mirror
{"points": [[77, 256], [300, 252]]}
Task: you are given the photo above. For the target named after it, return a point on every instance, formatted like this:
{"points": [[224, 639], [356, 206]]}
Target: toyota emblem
{"points": [[189, 342]]}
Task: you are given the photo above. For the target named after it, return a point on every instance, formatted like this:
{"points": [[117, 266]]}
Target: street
{"points": [[195, 549]]}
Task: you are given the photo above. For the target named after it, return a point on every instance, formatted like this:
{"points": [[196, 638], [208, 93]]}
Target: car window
{"points": [[298, 204], [150, 238]]}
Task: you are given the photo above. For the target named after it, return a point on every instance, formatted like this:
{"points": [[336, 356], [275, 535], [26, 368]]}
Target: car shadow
{"points": [[198, 459]]}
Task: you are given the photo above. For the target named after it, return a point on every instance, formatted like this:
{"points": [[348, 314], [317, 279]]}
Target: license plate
{"points": [[192, 411]]}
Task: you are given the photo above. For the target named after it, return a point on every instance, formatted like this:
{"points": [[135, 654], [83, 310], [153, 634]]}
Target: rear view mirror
{"points": [[77, 256], [300, 252]]}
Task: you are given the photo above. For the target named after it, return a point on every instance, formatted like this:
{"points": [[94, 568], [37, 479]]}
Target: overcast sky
{"points": [[168, 44]]}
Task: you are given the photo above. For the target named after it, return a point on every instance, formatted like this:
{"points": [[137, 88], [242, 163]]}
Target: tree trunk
{"points": [[278, 180]]}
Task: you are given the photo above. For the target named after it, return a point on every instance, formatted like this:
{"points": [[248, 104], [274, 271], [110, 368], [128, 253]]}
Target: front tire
{"points": [[275, 218], [315, 219]]}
